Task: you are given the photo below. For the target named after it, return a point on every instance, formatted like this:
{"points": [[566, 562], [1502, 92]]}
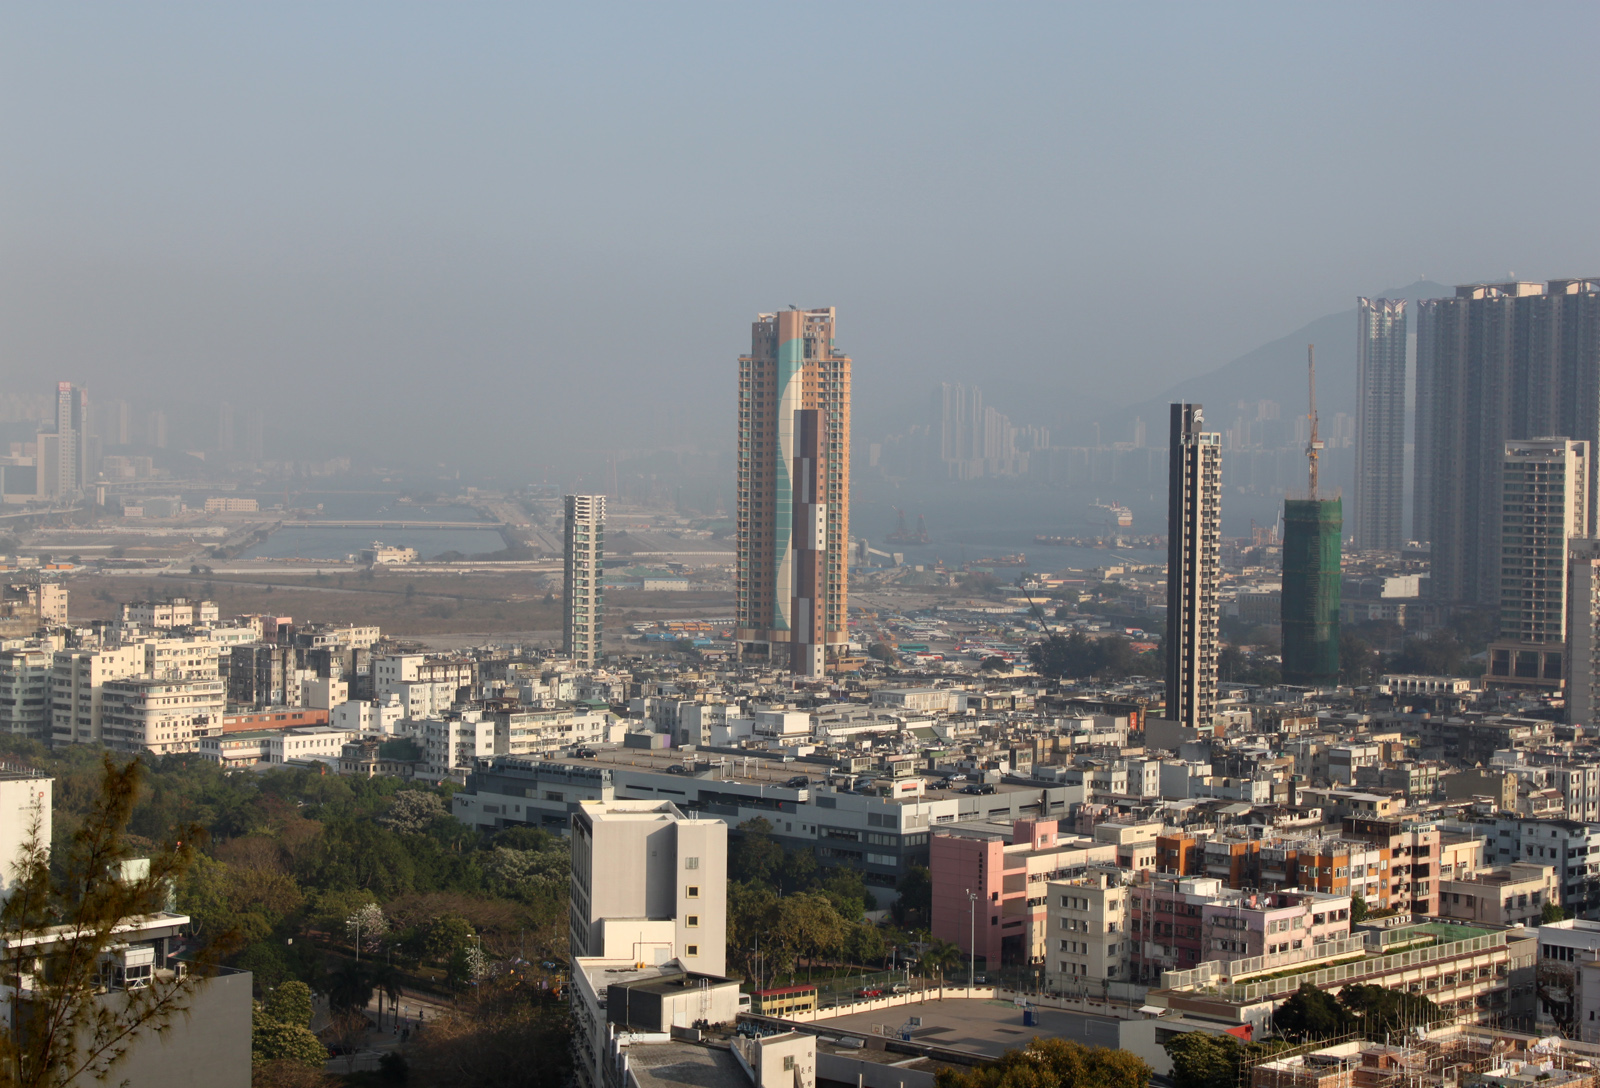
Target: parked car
{"points": [[899, 988], [978, 787], [799, 781], [584, 753], [677, 768], [869, 993]]}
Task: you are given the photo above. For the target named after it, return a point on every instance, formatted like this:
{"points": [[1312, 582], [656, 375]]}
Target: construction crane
{"points": [[1314, 447]]}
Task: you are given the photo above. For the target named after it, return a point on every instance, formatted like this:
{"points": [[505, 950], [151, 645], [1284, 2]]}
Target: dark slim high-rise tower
{"points": [[1380, 423], [794, 490], [1194, 530]]}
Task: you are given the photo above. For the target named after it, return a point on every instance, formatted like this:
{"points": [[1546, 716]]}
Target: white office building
{"points": [[649, 885]]}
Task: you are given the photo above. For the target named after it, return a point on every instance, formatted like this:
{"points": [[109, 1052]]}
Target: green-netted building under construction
{"points": [[1311, 553]]}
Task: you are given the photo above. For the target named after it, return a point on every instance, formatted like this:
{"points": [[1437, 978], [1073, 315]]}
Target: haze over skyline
{"points": [[493, 233]]}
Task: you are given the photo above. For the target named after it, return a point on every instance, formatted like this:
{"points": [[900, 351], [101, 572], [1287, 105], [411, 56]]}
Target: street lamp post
{"points": [[972, 937]]}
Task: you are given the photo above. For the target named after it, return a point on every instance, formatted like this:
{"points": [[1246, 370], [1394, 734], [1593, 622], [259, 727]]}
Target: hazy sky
{"points": [[523, 231]]}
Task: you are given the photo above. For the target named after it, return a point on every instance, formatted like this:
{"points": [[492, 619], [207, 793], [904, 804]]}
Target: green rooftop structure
{"points": [[1311, 555]]}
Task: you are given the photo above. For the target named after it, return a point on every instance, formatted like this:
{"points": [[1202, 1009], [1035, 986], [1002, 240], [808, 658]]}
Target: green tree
{"points": [[273, 1040], [914, 907], [1076, 655], [72, 1036], [413, 811], [1377, 1010], [349, 987], [1358, 909], [864, 944], [1053, 1063], [486, 1043], [1203, 1060], [1309, 1013], [882, 651], [444, 936], [939, 957], [1551, 912], [755, 856], [979, 582], [290, 1003], [1358, 662]]}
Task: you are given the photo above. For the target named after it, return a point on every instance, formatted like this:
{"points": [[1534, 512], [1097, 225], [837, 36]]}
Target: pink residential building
{"points": [[1006, 871]]}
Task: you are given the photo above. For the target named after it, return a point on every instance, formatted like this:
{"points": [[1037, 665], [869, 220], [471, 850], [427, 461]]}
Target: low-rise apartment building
{"points": [[1568, 951], [172, 612], [160, 715], [1135, 841], [989, 885], [25, 692], [1087, 938], [318, 742], [1513, 894], [77, 683], [1572, 848]]}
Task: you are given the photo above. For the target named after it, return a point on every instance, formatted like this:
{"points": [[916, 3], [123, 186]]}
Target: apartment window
{"points": [[693, 891], [788, 1063], [691, 863], [691, 950], [693, 921]]}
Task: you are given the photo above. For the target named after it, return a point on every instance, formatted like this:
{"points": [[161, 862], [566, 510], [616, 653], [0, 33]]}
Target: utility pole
{"points": [[1314, 447]]}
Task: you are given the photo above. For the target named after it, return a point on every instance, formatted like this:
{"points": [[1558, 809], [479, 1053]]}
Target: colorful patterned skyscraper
{"points": [[794, 490]]}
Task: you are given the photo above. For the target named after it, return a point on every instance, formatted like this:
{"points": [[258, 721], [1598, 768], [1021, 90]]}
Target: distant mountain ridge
{"points": [[1277, 370]]}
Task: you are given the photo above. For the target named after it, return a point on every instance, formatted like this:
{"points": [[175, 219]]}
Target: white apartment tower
{"points": [[64, 450], [1544, 485], [649, 884], [1194, 531], [1380, 423], [583, 572]]}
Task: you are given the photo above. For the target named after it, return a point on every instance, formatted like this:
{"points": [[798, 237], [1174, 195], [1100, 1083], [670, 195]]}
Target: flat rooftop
{"points": [[679, 1064], [754, 768], [979, 1026]]}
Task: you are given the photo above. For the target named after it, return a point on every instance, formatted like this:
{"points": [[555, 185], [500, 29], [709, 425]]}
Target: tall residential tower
{"points": [[583, 569], [794, 490], [64, 452], [1194, 531], [1543, 509], [1380, 423], [1497, 362]]}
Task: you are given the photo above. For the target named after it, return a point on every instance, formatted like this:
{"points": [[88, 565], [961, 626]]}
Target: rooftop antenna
{"points": [[1314, 447]]}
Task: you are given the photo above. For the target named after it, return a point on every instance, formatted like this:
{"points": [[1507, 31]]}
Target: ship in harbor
{"points": [[904, 535], [1015, 560], [1110, 513]]}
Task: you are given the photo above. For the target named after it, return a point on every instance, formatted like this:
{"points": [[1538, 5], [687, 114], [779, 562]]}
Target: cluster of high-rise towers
{"points": [[1506, 423]]}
